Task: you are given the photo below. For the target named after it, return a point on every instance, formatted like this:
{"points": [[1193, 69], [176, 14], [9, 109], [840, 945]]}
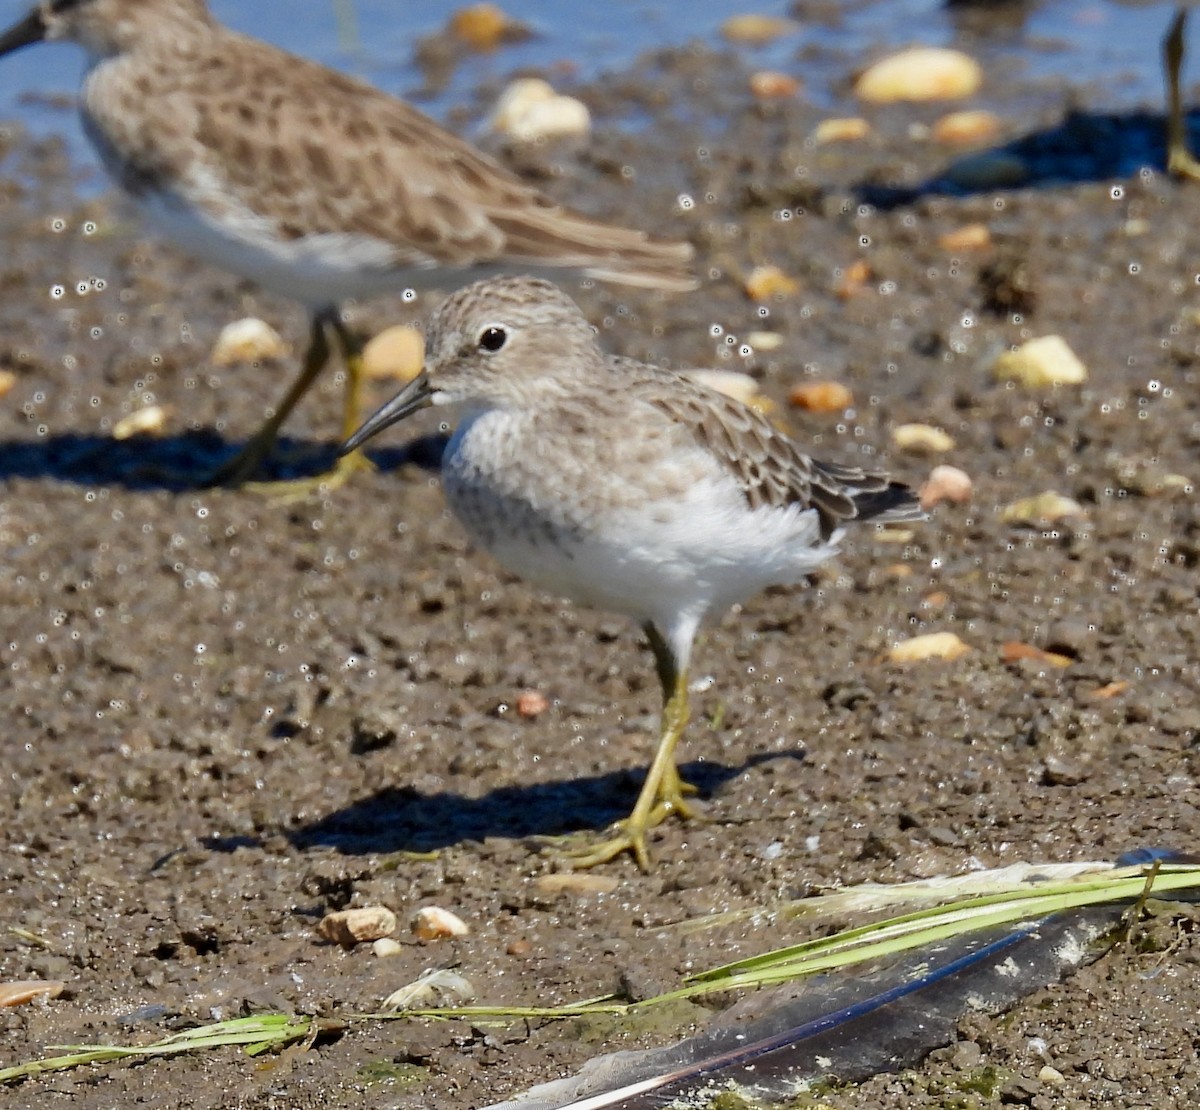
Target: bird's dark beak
{"points": [[31, 29], [412, 398]]}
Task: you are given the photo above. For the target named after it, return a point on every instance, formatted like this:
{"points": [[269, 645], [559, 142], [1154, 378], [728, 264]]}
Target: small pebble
{"points": [[821, 397], [932, 645], [248, 341], [144, 421], [532, 703], [385, 947], [969, 237], [766, 282], [518, 947], [966, 128], [351, 927], [1043, 508], [752, 29], [846, 130], [922, 439], [769, 85], [7, 380], [530, 110], [946, 483], [1041, 362], [435, 923], [483, 27], [396, 353], [922, 73]]}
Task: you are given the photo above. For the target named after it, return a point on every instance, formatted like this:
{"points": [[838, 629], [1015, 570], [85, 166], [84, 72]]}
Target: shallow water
{"points": [[1097, 41]]}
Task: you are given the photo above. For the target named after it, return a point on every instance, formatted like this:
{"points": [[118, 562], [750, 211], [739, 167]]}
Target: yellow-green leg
{"points": [[1180, 160], [349, 463], [663, 791]]}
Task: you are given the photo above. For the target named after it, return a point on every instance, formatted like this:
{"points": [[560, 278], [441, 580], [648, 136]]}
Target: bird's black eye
{"points": [[492, 339]]}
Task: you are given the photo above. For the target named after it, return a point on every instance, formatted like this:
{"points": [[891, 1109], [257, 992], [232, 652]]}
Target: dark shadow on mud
{"points": [[1085, 147], [402, 819], [181, 463]]}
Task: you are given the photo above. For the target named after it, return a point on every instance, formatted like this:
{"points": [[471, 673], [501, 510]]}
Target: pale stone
{"points": [[922, 73], [1041, 362]]}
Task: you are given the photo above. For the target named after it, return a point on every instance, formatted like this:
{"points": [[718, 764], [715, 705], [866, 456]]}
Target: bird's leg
{"points": [[300, 488], [663, 791], [249, 458], [1180, 160]]}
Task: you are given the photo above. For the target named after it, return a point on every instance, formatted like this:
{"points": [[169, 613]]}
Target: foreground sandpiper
{"points": [[309, 182], [623, 485]]}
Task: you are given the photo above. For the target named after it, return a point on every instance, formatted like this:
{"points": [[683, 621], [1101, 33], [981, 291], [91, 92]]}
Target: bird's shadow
{"points": [[182, 462], [1084, 147], [401, 818]]}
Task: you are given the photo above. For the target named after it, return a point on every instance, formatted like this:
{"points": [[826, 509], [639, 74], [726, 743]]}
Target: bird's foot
{"points": [[630, 834], [300, 489]]}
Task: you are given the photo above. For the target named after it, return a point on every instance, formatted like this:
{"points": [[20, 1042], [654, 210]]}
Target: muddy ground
{"points": [[227, 716]]}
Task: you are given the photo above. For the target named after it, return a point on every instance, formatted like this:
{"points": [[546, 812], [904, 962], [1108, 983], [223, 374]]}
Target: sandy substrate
{"points": [[227, 716]]}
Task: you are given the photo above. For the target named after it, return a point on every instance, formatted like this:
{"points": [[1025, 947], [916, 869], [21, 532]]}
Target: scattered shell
{"points": [[732, 383], [966, 128], [397, 353], [351, 927], [898, 570], [922, 439], [149, 420], [530, 110], [1109, 690], [893, 533], [440, 987], [576, 882], [821, 396], [1044, 508], [932, 645], [1014, 651], [969, 237], [532, 703], [765, 340], [922, 73], [248, 340], [848, 130], [7, 380], [483, 27], [770, 85], [853, 280], [766, 282], [435, 923], [26, 990], [385, 947], [1041, 362], [946, 483], [755, 30], [990, 170]]}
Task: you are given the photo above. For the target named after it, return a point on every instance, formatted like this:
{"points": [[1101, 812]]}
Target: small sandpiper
{"points": [[624, 486], [308, 182]]}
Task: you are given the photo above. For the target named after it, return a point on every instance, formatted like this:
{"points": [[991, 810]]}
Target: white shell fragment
{"points": [[435, 988], [351, 927], [19, 992], [246, 341], [435, 923], [1041, 362], [922, 73], [530, 110]]}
